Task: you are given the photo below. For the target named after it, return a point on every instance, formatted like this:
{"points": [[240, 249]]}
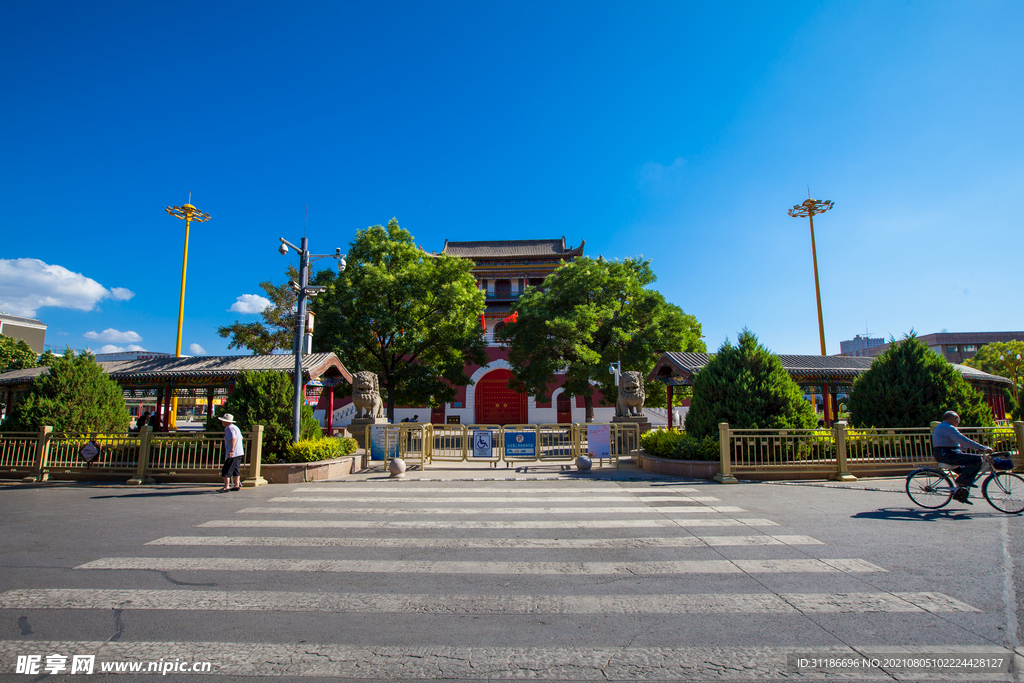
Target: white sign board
{"points": [[483, 444], [599, 441]]}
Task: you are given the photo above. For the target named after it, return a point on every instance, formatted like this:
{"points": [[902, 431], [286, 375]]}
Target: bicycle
{"points": [[932, 488]]}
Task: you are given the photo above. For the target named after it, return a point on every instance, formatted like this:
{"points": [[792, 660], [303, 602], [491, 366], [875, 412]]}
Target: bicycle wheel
{"points": [[1005, 492], [930, 488]]}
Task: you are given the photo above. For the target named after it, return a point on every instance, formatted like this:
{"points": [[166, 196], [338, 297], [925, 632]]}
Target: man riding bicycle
{"points": [[946, 443]]}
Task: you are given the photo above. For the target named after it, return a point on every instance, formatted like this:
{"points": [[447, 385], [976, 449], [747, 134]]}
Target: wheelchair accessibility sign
{"points": [[520, 444], [482, 444]]}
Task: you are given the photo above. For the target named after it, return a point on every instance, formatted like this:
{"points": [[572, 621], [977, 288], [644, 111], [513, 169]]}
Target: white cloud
{"points": [[250, 303], [111, 348], [196, 350], [114, 336], [28, 284]]}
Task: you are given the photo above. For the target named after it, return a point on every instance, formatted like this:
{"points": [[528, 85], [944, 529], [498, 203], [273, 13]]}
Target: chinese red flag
{"points": [[483, 322], [512, 318]]}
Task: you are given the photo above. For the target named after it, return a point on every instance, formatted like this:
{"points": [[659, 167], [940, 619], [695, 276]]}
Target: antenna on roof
{"points": [[808, 191], [305, 221]]}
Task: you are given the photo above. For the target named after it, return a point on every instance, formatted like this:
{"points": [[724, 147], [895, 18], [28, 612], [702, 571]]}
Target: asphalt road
{"points": [[543, 576]]}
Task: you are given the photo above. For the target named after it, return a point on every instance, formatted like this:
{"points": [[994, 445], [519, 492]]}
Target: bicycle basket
{"points": [[1002, 463]]}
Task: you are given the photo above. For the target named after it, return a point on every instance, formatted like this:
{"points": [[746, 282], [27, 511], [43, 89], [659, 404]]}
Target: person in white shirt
{"points": [[232, 454]]}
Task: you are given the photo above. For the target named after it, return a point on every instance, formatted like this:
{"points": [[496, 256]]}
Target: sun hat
{"points": [[227, 417]]}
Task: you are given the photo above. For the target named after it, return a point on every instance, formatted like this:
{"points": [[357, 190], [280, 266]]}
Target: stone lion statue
{"points": [[631, 395], [366, 395]]}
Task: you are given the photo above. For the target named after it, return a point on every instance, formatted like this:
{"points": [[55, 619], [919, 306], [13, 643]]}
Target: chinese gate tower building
{"points": [[503, 270]]}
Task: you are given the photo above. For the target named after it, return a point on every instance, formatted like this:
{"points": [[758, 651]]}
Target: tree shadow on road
{"points": [[920, 515]]}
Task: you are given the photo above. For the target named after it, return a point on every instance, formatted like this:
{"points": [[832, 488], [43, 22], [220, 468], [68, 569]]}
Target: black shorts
{"points": [[231, 467]]}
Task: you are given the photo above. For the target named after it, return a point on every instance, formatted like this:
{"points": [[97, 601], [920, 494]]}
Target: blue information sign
{"points": [[521, 444]]}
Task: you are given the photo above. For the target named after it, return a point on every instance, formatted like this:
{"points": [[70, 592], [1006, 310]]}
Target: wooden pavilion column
{"points": [[668, 391], [209, 402], [329, 421]]}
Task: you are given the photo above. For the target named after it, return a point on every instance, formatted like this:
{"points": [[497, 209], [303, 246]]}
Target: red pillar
{"points": [[209, 403], [330, 410], [159, 408], [668, 391]]}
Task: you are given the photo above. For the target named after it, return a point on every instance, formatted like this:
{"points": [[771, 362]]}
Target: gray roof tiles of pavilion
{"points": [[501, 248], [835, 367], [195, 367]]}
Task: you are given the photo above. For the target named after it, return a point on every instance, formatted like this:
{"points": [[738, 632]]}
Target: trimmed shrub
{"points": [[678, 445], [320, 449], [910, 386], [746, 386], [265, 398], [73, 396]]}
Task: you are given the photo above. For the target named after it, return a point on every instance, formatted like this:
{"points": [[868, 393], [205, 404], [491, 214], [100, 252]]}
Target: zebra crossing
{"points": [[449, 581]]}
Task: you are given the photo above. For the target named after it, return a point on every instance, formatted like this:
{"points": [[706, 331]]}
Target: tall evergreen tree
{"points": [[746, 386], [909, 386], [73, 395]]}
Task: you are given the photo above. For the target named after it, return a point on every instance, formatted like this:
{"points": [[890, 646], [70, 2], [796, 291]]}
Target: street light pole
{"points": [[304, 292], [188, 213], [809, 209]]}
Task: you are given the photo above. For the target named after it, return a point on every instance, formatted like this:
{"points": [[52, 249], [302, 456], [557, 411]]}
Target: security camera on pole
{"points": [[304, 291]]}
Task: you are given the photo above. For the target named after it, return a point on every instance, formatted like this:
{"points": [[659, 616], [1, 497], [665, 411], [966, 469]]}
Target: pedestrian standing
{"points": [[232, 454]]}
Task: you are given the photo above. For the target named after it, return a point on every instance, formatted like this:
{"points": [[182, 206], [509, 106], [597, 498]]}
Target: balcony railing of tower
{"points": [[503, 295]]}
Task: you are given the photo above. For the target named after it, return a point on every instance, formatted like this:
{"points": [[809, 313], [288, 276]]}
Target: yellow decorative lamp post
{"points": [[188, 213], [810, 209]]}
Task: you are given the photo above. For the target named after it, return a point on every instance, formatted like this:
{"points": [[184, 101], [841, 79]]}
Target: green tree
{"points": [[15, 354], [910, 386], [73, 395], [588, 314], [1003, 359], [266, 398], [746, 386], [48, 358], [410, 317], [278, 327]]}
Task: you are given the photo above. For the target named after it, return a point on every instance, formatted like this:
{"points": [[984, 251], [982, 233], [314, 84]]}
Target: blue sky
{"points": [[679, 131]]}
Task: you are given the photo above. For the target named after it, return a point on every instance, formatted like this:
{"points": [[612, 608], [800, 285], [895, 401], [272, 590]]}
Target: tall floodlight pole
{"points": [[304, 292], [810, 209], [188, 213]]}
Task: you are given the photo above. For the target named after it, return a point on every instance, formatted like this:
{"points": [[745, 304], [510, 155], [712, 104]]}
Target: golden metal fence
{"points": [[842, 453], [18, 451], [141, 455]]}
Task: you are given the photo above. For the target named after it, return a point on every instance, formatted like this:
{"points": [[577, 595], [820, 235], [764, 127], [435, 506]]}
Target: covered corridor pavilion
{"points": [[816, 375], [200, 377]]}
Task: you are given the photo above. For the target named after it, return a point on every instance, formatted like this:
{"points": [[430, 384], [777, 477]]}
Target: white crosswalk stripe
{"points": [[618, 510], [632, 500], [801, 565], [380, 524], [383, 603], [451, 662], [492, 543]]}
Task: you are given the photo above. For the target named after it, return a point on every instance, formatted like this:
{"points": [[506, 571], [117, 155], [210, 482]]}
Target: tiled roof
{"points": [[499, 248], [21, 321], [831, 367], [198, 367]]}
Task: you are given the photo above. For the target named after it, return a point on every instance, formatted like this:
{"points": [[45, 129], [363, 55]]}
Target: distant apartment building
{"points": [[32, 332], [859, 345], [956, 347]]}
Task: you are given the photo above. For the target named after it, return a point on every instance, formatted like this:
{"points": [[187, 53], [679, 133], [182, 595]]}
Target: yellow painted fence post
{"points": [[1018, 429], [839, 434], [145, 434], [42, 453], [725, 476], [255, 457]]}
